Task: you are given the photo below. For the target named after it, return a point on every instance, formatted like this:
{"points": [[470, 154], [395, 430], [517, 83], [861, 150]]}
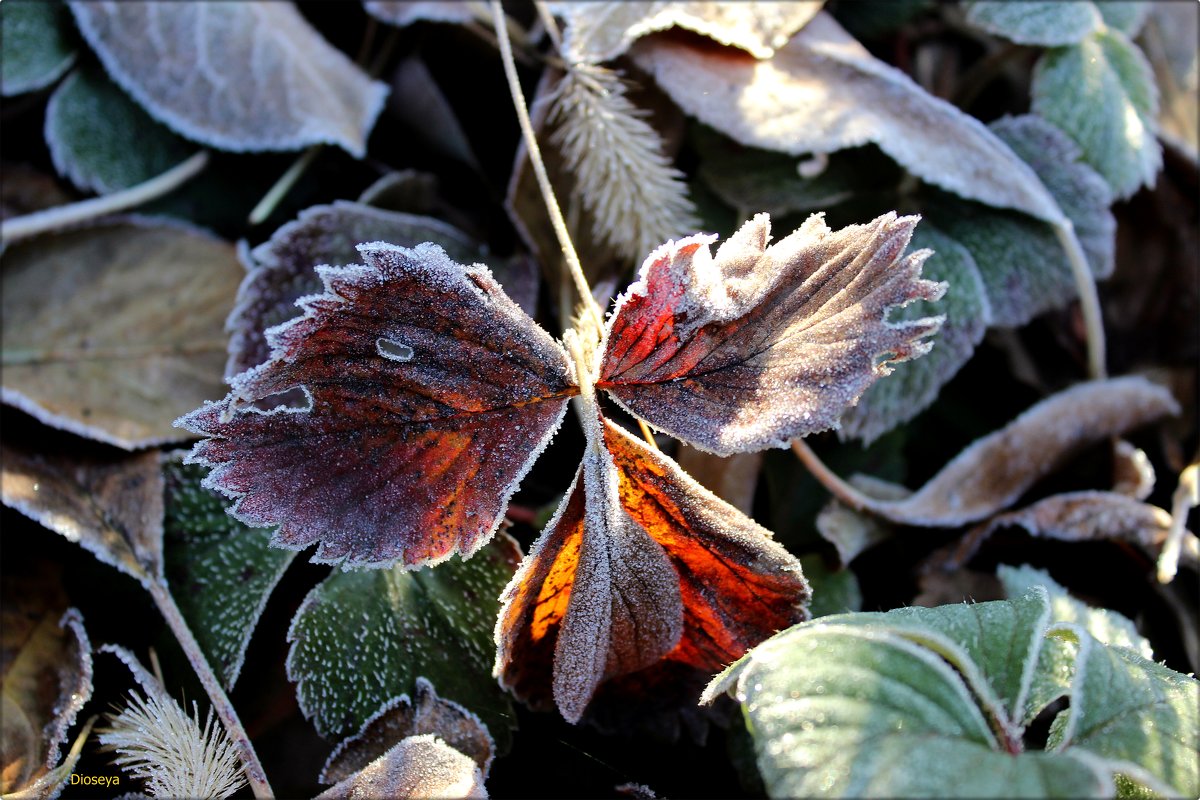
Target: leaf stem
{"points": [[286, 181], [212, 685], [539, 169], [843, 491], [1089, 299], [23, 227], [1187, 497]]}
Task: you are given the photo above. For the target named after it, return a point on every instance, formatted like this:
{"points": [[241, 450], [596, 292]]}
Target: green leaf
{"points": [[102, 140], [1139, 717], [1101, 92], [1106, 626], [914, 385], [38, 47], [1036, 23], [1127, 16], [833, 592], [221, 572], [840, 711], [362, 638]]}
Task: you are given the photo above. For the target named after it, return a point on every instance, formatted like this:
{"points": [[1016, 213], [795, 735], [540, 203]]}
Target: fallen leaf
{"points": [[113, 330], [418, 767], [400, 718], [760, 344], [601, 31], [236, 76], [823, 92], [113, 507], [38, 47]]}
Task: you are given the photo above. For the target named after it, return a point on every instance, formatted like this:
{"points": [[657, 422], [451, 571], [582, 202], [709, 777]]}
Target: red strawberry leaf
{"points": [[429, 395], [760, 344]]}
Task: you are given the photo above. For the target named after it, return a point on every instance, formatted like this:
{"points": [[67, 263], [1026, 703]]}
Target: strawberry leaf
{"points": [[758, 345], [427, 395], [37, 46]]}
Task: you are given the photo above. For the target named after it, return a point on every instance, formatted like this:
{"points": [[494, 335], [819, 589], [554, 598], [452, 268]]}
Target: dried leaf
{"points": [[114, 330], [38, 48], [236, 76], [731, 478], [282, 269], [405, 12], [757, 345], [824, 92], [25, 189], [429, 395], [1169, 39], [994, 471], [45, 678], [418, 767], [1036, 23], [850, 531], [1133, 474], [1101, 92], [400, 718], [601, 31], [112, 506], [103, 141]]}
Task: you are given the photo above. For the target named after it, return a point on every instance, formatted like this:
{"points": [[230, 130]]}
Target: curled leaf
{"points": [[418, 767], [760, 344], [237, 76]]}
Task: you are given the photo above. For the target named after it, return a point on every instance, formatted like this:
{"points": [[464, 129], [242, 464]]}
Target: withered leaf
{"points": [[601, 31], [402, 717], [237, 76], [114, 330], [429, 395], [112, 507], [418, 767], [823, 92], [761, 344]]}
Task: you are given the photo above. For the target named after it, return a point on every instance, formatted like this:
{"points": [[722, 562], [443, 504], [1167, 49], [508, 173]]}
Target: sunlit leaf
{"points": [[38, 48], [221, 572], [114, 330], [1101, 92], [1036, 23], [362, 638], [103, 141], [418, 767], [760, 344], [824, 92], [427, 395], [237, 76]]}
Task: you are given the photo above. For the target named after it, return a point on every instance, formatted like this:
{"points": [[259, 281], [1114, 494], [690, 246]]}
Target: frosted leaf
{"points": [[1133, 474], [237, 76], [995, 471], [400, 718], [393, 461], [405, 12], [824, 92], [1101, 93], [103, 141], [113, 330], [221, 572], [37, 46], [1127, 16], [282, 269], [760, 344], [601, 31], [1036, 23], [112, 506], [417, 767], [362, 639]]}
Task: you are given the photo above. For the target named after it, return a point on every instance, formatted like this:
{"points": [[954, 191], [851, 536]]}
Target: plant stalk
{"points": [[255, 774], [266, 206], [843, 491], [50, 219], [1089, 299]]}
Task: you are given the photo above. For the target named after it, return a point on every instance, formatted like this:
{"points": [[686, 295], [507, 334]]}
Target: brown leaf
{"points": [[418, 767], [823, 92], [114, 330], [112, 506], [731, 478], [401, 718], [1133, 474]]}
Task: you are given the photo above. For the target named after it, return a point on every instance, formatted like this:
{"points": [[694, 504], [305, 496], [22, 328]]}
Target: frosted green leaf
{"points": [[1139, 717], [221, 572], [851, 711], [37, 49], [103, 141], [1104, 625], [1036, 23], [833, 591], [236, 76], [1101, 92], [914, 385], [362, 638], [1127, 16], [1079, 190]]}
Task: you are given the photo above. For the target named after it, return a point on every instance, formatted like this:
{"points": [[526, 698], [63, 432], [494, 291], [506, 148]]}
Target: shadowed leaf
{"points": [[37, 46]]}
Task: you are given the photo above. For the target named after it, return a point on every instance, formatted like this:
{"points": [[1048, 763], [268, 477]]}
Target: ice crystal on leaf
{"points": [[643, 574]]}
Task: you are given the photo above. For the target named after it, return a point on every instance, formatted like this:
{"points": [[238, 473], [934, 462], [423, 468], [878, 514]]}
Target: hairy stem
{"points": [[255, 774], [51, 219], [539, 169], [1089, 300], [843, 491]]}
